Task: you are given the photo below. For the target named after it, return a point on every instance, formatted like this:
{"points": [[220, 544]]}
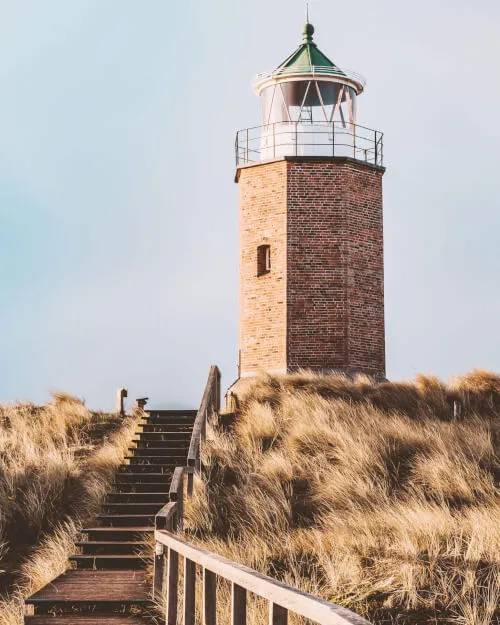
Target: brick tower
{"points": [[311, 233]]}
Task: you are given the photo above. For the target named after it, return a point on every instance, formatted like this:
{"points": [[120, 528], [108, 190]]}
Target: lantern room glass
{"points": [[308, 117], [309, 101]]}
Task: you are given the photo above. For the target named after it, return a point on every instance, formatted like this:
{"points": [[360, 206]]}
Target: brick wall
{"points": [[335, 303], [262, 221], [322, 305]]}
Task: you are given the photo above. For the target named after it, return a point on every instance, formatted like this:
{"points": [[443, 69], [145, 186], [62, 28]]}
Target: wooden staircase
{"points": [[109, 585]]}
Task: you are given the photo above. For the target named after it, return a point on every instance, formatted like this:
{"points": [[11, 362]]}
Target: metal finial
{"points": [[307, 12]]}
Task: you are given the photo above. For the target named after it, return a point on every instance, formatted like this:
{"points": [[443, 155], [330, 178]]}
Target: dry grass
{"points": [[56, 463], [372, 496]]}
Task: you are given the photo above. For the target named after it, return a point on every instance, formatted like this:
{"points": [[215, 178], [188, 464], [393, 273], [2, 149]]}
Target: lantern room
{"points": [[308, 88], [308, 108]]}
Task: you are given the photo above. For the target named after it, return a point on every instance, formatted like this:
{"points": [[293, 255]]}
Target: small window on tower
{"points": [[263, 259]]}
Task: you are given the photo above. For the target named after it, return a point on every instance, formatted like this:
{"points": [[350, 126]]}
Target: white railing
{"points": [[301, 139], [315, 70]]}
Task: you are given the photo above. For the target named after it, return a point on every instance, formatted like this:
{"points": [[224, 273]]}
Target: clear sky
{"points": [[118, 238]]}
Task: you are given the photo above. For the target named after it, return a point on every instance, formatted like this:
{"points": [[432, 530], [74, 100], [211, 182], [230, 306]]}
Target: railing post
{"points": [[333, 138], [247, 149], [159, 572], [190, 481], [274, 139], [140, 402], [238, 605], [217, 396], [121, 393], [180, 505], [189, 591], [376, 148], [209, 597], [172, 587], [277, 614], [178, 495], [296, 139]]}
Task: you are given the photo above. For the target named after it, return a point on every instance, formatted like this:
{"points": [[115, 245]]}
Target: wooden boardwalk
{"points": [[109, 585]]}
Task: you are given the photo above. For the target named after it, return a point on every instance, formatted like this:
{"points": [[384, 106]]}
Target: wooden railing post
{"points": [[172, 587], [159, 572], [189, 591], [217, 390], [190, 481], [238, 605], [176, 493], [277, 614], [140, 402], [121, 393], [209, 598]]}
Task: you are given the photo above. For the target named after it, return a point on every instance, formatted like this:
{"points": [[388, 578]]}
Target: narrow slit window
{"points": [[263, 259]]}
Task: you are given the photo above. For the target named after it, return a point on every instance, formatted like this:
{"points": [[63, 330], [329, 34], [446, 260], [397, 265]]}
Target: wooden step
{"points": [[162, 428], [173, 413], [124, 547], [125, 520], [100, 589], [128, 474], [170, 423], [131, 497], [167, 452], [161, 444], [88, 620], [110, 561], [170, 461], [164, 435], [140, 471], [117, 533], [143, 487], [132, 507]]}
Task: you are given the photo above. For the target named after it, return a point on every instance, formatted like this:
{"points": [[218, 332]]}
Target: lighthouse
{"points": [[311, 284]]}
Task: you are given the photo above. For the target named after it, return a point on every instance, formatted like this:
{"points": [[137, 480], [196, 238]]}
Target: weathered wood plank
{"points": [[176, 494], [277, 614], [292, 599], [87, 586], [209, 598], [172, 583], [209, 401], [160, 573], [238, 605], [189, 591]]}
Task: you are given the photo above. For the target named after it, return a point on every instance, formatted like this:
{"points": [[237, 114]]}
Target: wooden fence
{"points": [[168, 547], [210, 404]]}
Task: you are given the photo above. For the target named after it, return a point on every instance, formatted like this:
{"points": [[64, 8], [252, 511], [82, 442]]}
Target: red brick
{"points": [[322, 305]]}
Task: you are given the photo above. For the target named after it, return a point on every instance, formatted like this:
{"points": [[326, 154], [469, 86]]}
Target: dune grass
{"points": [[373, 496], [56, 463]]}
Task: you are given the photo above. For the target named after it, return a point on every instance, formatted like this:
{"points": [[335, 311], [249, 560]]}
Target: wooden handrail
{"points": [[209, 402], [168, 547], [165, 518], [282, 598]]}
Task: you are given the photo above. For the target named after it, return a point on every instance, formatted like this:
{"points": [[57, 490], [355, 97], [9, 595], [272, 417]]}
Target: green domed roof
{"points": [[307, 55]]}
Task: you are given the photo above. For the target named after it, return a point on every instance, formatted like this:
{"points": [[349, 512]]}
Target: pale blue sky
{"points": [[118, 240]]}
